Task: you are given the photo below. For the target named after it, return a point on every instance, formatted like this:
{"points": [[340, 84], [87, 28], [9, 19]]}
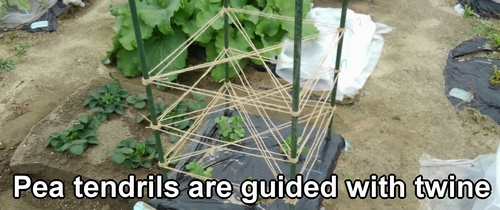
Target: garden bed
{"points": [[32, 157], [237, 167]]}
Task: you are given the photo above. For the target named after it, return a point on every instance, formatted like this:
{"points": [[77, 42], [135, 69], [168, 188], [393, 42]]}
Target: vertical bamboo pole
{"points": [[297, 49], [337, 65], [226, 46], [149, 93]]}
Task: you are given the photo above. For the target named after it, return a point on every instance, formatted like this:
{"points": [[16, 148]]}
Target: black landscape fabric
{"points": [[51, 17], [236, 167], [473, 74], [484, 8]]}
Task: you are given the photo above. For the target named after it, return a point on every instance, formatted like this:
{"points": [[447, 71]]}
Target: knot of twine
{"points": [[146, 82], [295, 114], [155, 127]]}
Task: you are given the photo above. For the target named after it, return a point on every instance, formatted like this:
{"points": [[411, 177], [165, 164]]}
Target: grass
{"points": [[482, 28]]}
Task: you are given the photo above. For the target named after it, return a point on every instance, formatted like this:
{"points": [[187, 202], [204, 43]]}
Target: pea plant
{"points": [[178, 117], [230, 128], [133, 154], [139, 100], [198, 169], [286, 146], [107, 100], [76, 138]]}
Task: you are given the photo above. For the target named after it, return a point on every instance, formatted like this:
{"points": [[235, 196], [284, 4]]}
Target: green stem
{"points": [[297, 49], [226, 46], [337, 66], [149, 93]]}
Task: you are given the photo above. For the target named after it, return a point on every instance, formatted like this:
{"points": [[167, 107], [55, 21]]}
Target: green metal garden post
{"points": [[226, 46], [297, 49], [149, 93], [337, 65]]}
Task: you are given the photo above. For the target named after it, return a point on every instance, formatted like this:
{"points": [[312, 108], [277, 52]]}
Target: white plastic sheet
{"points": [[362, 46], [483, 167]]}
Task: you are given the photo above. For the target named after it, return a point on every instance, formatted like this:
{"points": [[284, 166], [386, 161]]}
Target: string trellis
{"points": [[246, 98]]}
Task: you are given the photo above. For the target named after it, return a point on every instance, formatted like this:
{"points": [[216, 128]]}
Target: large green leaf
{"points": [[159, 47], [155, 14], [207, 11], [128, 62], [127, 34]]}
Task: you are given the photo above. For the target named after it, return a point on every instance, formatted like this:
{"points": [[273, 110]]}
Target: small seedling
{"points": [[495, 78], [76, 138], [132, 153], [107, 100], [21, 48], [286, 146], [198, 169], [7, 64], [468, 12], [198, 102], [495, 40], [138, 101], [230, 128]]}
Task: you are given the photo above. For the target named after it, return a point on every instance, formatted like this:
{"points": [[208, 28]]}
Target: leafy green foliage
{"points": [[132, 154], [230, 128], [178, 117], [107, 100], [287, 146], [21, 48], [495, 40], [165, 25], [495, 78], [7, 64], [76, 138], [138, 101], [198, 169], [468, 12]]}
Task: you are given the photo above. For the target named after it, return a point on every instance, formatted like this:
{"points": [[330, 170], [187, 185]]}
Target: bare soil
{"points": [[403, 111]]}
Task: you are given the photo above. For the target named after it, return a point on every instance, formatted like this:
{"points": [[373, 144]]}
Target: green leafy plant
{"points": [[178, 117], [230, 128], [496, 40], [198, 169], [107, 100], [495, 78], [21, 48], [132, 154], [76, 138], [7, 64], [174, 158], [286, 146], [468, 12], [165, 25], [138, 101]]}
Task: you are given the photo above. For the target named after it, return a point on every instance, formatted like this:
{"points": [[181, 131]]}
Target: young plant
{"points": [[21, 48], [107, 100], [138, 101], [7, 64], [198, 169], [286, 147], [76, 138], [230, 128], [495, 40], [198, 103], [131, 153], [495, 78], [468, 12]]}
